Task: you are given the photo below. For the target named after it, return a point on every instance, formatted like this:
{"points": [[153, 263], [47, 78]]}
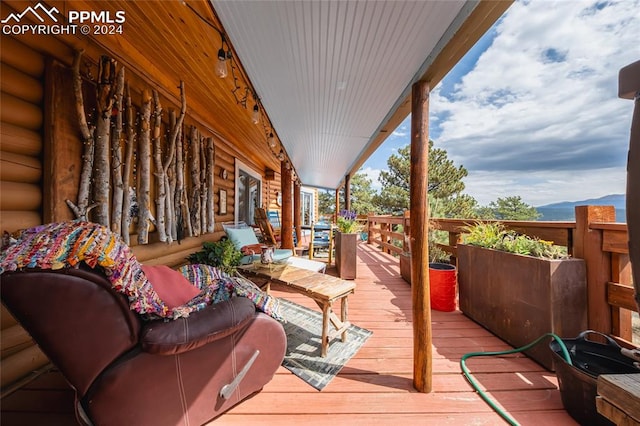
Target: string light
{"points": [[272, 141], [221, 65], [255, 116]]}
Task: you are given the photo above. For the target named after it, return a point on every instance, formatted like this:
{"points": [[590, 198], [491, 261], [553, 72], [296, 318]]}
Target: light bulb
{"points": [[255, 116], [221, 65], [272, 141], [281, 156]]}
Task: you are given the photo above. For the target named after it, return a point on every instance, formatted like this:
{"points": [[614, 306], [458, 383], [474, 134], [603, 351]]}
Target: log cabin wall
{"points": [[21, 181], [40, 154]]}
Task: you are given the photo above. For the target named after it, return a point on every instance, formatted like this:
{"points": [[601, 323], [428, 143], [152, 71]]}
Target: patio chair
{"points": [[126, 370], [244, 239], [126, 367]]}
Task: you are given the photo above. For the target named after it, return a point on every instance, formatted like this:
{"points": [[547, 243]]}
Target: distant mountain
{"points": [[565, 211], [615, 200]]}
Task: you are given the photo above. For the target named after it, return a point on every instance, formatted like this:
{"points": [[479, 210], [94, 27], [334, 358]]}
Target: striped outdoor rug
{"points": [[304, 331]]}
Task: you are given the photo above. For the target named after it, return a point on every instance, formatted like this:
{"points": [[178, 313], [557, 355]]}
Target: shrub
{"points": [[220, 254], [495, 236]]}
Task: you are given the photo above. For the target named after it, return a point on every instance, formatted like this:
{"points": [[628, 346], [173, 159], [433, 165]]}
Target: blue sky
{"points": [[532, 109]]}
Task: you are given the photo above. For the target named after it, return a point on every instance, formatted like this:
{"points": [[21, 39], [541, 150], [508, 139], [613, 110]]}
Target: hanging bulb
{"points": [[287, 165], [221, 65], [255, 116], [281, 156], [272, 141]]}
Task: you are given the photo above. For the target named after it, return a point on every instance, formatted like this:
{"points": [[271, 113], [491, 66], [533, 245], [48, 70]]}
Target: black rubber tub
{"points": [[578, 382]]}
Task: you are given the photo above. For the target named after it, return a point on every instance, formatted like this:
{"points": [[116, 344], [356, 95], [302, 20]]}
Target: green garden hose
{"points": [[474, 384]]}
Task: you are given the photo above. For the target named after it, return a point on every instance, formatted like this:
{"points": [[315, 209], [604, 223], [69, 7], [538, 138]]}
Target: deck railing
{"points": [[594, 237]]}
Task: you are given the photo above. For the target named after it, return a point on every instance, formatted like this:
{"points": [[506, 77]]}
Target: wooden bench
{"points": [[323, 289], [619, 398]]}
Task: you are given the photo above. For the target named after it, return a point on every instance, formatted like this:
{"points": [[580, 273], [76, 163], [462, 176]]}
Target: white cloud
{"points": [[538, 115], [545, 187], [542, 100], [372, 174]]}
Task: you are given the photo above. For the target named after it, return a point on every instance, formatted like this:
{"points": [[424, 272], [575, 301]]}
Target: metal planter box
{"points": [[519, 298]]}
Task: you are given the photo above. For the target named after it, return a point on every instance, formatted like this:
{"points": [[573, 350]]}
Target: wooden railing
{"points": [[594, 237]]}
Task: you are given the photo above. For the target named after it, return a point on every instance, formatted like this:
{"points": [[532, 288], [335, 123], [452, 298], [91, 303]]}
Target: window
{"points": [[248, 193], [307, 207]]}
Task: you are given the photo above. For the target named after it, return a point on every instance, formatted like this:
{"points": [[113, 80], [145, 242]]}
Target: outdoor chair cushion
{"points": [[243, 237], [172, 287]]}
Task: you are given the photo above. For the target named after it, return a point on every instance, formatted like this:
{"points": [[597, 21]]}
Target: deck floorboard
{"points": [[375, 387]]}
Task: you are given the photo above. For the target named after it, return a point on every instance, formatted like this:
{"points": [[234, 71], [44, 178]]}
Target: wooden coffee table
{"points": [[323, 289]]}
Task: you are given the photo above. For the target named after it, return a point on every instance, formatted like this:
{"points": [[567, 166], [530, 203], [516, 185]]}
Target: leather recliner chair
{"points": [[126, 371]]}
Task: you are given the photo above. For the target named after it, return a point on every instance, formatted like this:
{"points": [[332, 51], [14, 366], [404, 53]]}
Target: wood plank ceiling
{"points": [[329, 72]]}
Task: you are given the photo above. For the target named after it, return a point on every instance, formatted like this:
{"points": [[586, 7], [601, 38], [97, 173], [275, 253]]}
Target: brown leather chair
{"points": [[127, 371]]}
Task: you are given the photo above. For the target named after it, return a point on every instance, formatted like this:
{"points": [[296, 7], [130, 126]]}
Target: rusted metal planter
{"points": [[519, 298], [346, 255]]}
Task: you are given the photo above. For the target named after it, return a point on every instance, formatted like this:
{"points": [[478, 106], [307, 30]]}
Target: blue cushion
{"points": [[241, 237], [278, 256]]}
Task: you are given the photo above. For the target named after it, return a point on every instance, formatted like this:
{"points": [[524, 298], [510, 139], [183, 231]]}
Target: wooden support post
{"points": [[629, 88], [297, 212], [347, 192], [335, 215], [588, 246], [286, 232], [422, 360]]}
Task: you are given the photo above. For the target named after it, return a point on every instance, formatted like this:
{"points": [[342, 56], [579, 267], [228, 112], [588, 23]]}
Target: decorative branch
{"points": [[169, 179], [128, 164], [144, 157], [159, 168], [210, 171], [182, 206], [204, 190], [195, 180], [101, 170], [116, 155], [81, 210]]}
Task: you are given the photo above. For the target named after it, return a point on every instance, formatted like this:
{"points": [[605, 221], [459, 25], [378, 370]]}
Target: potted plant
{"points": [[347, 244], [220, 254], [520, 287]]}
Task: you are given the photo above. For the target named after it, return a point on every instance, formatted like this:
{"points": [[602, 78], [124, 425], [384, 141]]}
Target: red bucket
{"points": [[442, 281]]}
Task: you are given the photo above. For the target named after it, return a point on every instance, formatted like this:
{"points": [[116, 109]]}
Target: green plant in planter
{"points": [[495, 236], [347, 223], [220, 254]]}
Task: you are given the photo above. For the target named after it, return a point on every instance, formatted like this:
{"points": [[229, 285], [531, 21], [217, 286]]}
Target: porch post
{"points": [[286, 231], [419, 222], [347, 192], [587, 245], [297, 211], [629, 88], [335, 215]]}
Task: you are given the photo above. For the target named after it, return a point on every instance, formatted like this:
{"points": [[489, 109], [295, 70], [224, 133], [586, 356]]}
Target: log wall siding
{"points": [[21, 181]]}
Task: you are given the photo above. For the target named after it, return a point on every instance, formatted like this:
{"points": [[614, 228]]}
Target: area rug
{"points": [[304, 330]]}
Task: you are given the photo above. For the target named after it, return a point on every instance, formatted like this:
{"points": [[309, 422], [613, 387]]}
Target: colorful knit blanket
{"points": [[67, 244]]}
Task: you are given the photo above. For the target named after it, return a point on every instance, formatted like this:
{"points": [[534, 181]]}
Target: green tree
{"points": [[513, 208], [326, 202], [445, 184], [362, 194]]}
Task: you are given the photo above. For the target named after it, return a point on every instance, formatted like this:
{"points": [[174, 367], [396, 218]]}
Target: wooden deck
{"points": [[375, 387]]}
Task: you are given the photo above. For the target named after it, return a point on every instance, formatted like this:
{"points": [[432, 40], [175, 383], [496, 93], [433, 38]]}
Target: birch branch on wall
{"points": [[128, 165], [82, 208], [101, 170], [144, 177], [116, 155], [194, 164]]}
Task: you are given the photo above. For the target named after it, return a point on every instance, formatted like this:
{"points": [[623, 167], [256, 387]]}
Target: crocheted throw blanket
{"points": [[67, 244]]}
